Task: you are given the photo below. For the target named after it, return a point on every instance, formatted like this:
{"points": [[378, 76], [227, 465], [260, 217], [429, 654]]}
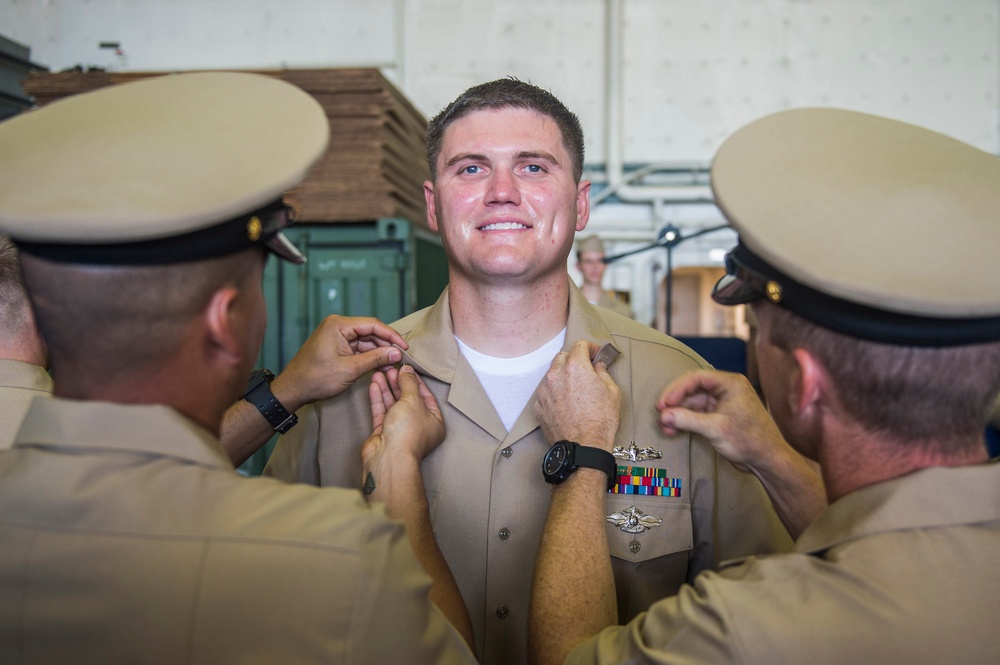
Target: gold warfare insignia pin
{"points": [[633, 520], [254, 228]]}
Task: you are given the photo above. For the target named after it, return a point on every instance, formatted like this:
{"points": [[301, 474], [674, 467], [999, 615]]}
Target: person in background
{"points": [[883, 373], [507, 199], [590, 263], [144, 213]]}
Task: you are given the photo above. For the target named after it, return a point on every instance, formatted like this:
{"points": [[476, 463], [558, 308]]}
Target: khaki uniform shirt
{"points": [[126, 536], [488, 498], [609, 300], [900, 572], [19, 384]]}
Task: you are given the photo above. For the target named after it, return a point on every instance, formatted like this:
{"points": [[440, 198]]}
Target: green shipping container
{"points": [[387, 268]]}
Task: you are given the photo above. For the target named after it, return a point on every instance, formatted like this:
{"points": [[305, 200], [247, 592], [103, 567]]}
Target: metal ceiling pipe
{"points": [[618, 182]]}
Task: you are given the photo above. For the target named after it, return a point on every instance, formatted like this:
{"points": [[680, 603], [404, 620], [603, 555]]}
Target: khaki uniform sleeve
{"points": [[294, 457], [324, 448], [690, 627], [394, 621]]}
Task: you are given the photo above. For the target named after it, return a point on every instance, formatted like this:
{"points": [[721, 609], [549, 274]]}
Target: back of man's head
{"points": [[14, 307], [502, 94], [931, 397], [871, 244], [132, 204], [111, 321]]}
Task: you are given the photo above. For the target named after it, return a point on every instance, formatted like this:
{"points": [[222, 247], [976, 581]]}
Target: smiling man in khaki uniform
{"points": [[507, 198], [866, 247], [144, 213]]}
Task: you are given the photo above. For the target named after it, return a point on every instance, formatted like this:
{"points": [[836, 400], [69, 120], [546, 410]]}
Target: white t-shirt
{"points": [[510, 382]]}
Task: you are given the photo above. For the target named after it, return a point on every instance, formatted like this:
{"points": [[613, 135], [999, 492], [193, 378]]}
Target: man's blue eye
{"points": [[534, 168], [471, 168]]}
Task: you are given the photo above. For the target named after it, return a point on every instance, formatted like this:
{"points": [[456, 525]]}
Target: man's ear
{"points": [[582, 205], [432, 220], [221, 325], [810, 384]]}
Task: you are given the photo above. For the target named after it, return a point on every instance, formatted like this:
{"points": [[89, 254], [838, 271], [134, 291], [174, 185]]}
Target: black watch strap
{"points": [[259, 394], [596, 458]]}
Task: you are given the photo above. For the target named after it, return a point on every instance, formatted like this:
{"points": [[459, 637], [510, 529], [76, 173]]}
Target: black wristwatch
{"points": [[259, 394], [565, 457]]}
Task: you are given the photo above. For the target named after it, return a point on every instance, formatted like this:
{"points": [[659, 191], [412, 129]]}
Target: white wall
{"points": [[691, 71]]}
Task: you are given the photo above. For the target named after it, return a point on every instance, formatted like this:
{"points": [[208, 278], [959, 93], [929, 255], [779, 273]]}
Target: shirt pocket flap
{"points": [[641, 528]]}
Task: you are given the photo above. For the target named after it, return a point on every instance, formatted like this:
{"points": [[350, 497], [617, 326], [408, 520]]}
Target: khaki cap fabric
{"points": [[591, 243], [866, 225], [172, 168]]}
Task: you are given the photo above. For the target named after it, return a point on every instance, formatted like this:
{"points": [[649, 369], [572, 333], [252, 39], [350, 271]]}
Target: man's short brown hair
{"points": [[508, 93], [14, 307], [918, 394]]}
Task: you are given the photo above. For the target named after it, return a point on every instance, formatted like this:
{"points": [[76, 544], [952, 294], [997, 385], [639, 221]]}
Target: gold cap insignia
{"points": [[773, 291], [254, 227]]}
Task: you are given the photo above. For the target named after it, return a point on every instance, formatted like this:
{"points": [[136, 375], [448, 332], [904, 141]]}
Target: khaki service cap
{"points": [[868, 226], [591, 243], [173, 168]]}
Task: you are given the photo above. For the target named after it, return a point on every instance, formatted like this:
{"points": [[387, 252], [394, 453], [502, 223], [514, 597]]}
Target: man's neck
{"points": [[26, 347], [852, 461], [508, 321], [201, 397]]}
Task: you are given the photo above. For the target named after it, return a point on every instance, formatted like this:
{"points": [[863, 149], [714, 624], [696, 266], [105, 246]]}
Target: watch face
{"points": [[554, 459]]}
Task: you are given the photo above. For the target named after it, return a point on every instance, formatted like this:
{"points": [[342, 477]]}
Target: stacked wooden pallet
{"points": [[377, 161]]}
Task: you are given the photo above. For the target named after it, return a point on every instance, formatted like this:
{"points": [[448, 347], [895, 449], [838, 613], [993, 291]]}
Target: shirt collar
{"points": [[433, 350], [24, 375], [931, 497], [59, 423]]}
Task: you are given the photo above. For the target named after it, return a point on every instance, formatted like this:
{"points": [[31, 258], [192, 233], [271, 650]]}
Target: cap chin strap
{"points": [[260, 228], [750, 278]]}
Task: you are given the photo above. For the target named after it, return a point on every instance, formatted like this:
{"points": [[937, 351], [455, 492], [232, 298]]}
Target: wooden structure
{"points": [[376, 164]]}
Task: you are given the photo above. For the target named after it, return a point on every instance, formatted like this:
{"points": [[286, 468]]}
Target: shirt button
{"points": [[504, 533], [635, 546], [507, 452], [502, 612]]}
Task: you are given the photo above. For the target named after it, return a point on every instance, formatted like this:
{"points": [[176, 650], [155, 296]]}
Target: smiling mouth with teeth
{"points": [[503, 226]]}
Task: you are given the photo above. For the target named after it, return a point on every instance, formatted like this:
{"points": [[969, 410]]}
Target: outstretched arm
{"points": [[724, 409], [336, 354], [408, 426], [573, 591]]}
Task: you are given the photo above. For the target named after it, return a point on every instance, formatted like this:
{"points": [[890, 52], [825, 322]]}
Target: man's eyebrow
{"points": [[467, 156], [547, 156], [524, 154]]}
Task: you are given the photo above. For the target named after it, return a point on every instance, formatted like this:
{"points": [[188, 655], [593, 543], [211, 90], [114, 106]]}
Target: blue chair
{"points": [[728, 354], [993, 442]]}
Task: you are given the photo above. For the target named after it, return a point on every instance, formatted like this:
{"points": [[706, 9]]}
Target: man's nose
{"points": [[503, 188]]}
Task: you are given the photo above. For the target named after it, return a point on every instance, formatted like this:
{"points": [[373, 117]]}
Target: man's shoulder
{"points": [[298, 516], [642, 339]]}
